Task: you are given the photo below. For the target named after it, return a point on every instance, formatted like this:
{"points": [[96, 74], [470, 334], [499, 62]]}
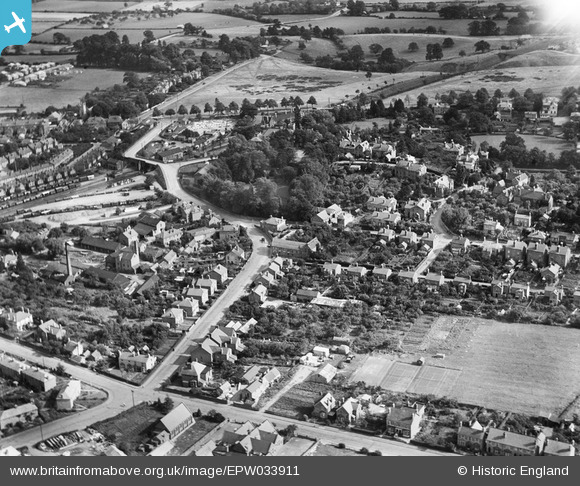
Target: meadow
{"points": [[88, 6]]}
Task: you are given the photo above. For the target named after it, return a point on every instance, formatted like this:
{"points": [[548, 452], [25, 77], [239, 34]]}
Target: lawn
{"points": [[327, 450], [549, 144], [69, 90], [523, 368]]}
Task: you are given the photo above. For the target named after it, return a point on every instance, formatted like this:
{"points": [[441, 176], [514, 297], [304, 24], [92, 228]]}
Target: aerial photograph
{"points": [[290, 228]]}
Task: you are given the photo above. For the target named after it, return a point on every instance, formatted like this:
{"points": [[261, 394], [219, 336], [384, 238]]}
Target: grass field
{"points": [[270, 77], [522, 368], [352, 25], [68, 91], [548, 80], [548, 144], [89, 6], [400, 44]]}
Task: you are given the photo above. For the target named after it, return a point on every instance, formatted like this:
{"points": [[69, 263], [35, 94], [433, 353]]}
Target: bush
{"points": [[342, 445], [364, 450]]}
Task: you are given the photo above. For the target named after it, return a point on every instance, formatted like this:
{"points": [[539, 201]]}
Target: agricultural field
{"points": [[68, 90], [549, 144], [314, 48], [300, 399], [277, 78], [548, 80], [353, 25], [74, 6], [134, 34]]}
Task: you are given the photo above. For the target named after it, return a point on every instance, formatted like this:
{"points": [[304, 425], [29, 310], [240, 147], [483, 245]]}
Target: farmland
{"points": [[68, 90], [548, 80], [73, 6], [276, 78]]}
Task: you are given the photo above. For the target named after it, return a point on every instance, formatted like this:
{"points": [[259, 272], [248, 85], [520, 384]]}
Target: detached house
{"points": [[324, 406], [560, 255], [349, 412], [418, 210], [472, 437], [405, 421], [195, 374], [131, 361], [51, 331]]}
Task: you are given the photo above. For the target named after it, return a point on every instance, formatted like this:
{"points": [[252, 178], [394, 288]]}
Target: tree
{"points": [[194, 110], [448, 42], [434, 51], [375, 48], [207, 108], [369, 75], [462, 53], [482, 46], [234, 107], [413, 47], [422, 101], [149, 36], [394, 4], [182, 110], [301, 45], [312, 101], [298, 101]]}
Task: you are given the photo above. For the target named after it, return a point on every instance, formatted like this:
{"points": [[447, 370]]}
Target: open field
{"points": [[541, 58], [57, 16], [270, 77], [547, 80], [68, 90], [89, 6], [549, 144], [521, 368], [179, 4], [352, 25], [314, 48], [135, 35], [400, 43], [38, 27]]}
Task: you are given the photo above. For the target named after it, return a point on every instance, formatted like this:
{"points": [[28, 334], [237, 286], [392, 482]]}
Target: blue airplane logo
{"points": [[18, 22]]}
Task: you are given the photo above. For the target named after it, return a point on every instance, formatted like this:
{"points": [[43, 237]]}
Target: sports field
{"points": [[521, 368]]}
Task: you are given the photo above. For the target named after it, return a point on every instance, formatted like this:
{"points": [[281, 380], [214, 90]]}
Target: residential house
{"points": [[249, 440], [409, 169], [209, 352], [129, 237], [434, 280], [506, 443], [408, 276], [405, 421], [520, 291], [429, 239], [491, 248], [174, 317], [50, 331], [266, 279], [207, 283], [228, 232], [174, 423], [134, 362], [66, 398], [219, 274], [334, 269], [523, 219], [273, 225], [564, 238], [387, 234], [382, 272], [252, 392], [170, 155], [18, 320], [38, 379], [560, 255], [74, 348], [549, 107], [20, 414], [443, 185], [167, 236], [515, 250], [11, 368], [499, 287], [325, 374], [385, 218], [198, 294], [189, 306], [381, 203], [462, 284], [384, 150], [333, 216], [471, 437], [124, 260], [534, 198], [356, 271], [258, 295], [537, 237], [408, 237], [551, 272], [236, 257], [195, 374], [554, 294], [460, 245], [321, 351], [553, 447], [324, 406], [469, 161], [349, 412], [293, 249], [538, 253], [306, 295], [418, 210], [492, 227]]}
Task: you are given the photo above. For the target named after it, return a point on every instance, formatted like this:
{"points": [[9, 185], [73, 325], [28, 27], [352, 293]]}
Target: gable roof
{"points": [[176, 417]]}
